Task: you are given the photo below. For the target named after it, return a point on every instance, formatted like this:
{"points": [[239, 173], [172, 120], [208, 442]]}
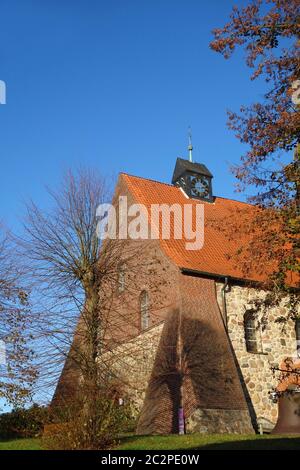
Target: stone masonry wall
{"points": [[278, 340], [132, 362], [219, 421]]}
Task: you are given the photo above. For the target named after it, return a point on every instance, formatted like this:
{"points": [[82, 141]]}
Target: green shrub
{"points": [[81, 428], [24, 422]]}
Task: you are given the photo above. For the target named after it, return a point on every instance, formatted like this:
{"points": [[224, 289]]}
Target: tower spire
{"points": [[190, 146]]}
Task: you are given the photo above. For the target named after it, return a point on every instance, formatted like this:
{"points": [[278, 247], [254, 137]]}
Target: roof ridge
{"points": [[172, 186], [147, 179], [234, 200]]}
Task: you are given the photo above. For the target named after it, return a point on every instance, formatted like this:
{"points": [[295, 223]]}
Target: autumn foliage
{"points": [[269, 32]]}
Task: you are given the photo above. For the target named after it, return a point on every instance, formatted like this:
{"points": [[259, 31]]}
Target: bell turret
{"points": [[194, 178]]}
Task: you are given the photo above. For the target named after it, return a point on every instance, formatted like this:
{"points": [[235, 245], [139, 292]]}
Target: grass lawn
{"points": [[21, 444], [211, 442], [191, 441]]}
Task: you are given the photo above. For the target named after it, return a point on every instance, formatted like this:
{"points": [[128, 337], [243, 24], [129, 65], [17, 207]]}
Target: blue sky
{"points": [[114, 85]]}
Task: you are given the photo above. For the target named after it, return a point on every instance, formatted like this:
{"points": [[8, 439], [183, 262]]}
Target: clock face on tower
{"points": [[194, 179], [199, 186]]}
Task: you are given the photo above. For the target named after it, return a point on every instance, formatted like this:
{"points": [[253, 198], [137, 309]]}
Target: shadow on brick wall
{"points": [[206, 375]]}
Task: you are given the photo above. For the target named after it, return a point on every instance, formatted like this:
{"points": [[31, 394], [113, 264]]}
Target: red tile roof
{"points": [[214, 257]]}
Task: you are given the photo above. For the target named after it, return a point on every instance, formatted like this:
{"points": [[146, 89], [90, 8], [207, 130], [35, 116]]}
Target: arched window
{"points": [[144, 310], [252, 333], [297, 327], [121, 277]]}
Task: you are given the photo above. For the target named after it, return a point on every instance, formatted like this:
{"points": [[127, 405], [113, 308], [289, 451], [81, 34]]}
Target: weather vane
{"points": [[190, 146]]}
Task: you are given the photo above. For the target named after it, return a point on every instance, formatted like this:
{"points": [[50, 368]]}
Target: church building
{"points": [[189, 348]]}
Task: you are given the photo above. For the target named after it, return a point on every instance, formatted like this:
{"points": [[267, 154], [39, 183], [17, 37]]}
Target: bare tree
{"points": [[74, 278]]}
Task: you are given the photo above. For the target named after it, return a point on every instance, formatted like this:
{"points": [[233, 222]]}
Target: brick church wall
{"points": [[211, 388], [255, 369]]}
